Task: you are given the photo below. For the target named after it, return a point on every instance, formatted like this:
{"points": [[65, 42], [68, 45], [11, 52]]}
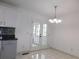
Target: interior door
{"points": [[39, 40]]}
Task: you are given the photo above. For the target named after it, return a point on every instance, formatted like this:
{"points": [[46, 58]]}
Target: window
{"points": [[44, 29], [36, 33]]}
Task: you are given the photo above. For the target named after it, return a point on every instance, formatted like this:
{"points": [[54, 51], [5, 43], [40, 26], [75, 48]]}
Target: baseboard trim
{"points": [[65, 52], [40, 49], [31, 51]]}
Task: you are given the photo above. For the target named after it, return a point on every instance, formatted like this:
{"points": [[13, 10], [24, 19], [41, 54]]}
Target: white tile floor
{"points": [[46, 54]]}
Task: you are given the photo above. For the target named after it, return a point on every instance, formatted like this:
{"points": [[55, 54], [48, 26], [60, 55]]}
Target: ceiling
{"points": [[46, 7]]}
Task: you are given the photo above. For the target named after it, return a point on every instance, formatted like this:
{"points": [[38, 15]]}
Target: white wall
{"points": [[22, 20], [8, 14], [24, 28], [65, 36]]}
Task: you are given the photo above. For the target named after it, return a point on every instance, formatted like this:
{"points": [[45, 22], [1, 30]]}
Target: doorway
{"points": [[39, 39]]}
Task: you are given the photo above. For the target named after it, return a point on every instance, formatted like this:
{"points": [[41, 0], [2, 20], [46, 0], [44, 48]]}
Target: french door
{"points": [[39, 40]]}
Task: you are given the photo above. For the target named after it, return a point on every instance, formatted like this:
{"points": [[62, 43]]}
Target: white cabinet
{"points": [[8, 49]]}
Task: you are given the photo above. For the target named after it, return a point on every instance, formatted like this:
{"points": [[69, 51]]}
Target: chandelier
{"points": [[55, 20]]}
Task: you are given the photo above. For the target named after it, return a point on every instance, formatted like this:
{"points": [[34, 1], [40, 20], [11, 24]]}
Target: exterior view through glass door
{"points": [[39, 40]]}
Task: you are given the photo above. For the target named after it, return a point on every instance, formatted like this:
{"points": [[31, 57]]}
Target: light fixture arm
{"points": [[55, 10]]}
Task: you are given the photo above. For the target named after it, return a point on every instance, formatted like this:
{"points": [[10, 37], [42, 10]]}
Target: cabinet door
{"points": [[8, 51]]}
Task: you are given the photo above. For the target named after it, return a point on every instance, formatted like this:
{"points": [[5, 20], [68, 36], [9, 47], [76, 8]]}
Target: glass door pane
{"points": [[36, 35], [44, 36]]}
